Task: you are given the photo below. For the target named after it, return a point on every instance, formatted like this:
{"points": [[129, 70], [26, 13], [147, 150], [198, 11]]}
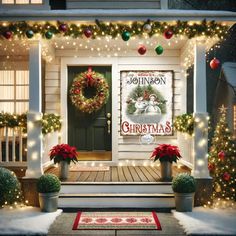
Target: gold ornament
{"points": [[217, 187]]}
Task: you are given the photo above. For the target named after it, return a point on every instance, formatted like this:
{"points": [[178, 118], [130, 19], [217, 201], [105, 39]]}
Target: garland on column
{"points": [[23, 29], [184, 123]]}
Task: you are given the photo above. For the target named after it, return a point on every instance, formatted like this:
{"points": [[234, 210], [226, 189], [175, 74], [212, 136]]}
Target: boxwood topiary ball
{"points": [[10, 191], [48, 183], [184, 183]]}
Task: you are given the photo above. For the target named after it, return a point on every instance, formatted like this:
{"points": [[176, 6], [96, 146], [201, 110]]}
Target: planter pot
{"points": [[64, 169], [166, 171], [48, 201], [184, 201]]}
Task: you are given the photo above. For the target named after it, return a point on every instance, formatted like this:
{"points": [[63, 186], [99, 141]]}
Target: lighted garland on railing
{"points": [[184, 123], [50, 122], [47, 30]]}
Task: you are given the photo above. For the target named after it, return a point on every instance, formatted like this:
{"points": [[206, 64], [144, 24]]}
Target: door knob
{"points": [[108, 115]]}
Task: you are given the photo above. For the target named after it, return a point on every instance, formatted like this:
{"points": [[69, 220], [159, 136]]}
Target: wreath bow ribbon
{"points": [[89, 77]]}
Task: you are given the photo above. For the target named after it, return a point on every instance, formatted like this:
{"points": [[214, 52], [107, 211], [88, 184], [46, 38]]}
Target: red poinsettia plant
{"points": [[63, 152], [166, 152]]}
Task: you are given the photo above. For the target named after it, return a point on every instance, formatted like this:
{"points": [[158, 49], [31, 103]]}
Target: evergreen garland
{"points": [[184, 123], [50, 122], [23, 29]]}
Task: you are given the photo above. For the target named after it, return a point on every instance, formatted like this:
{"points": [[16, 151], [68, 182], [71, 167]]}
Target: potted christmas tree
{"points": [[184, 187], [63, 154], [48, 187], [166, 154]]}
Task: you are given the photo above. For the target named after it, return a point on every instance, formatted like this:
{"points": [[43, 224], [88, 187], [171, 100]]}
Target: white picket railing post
{"points": [[20, 145], [7, 144], [13, 145]]}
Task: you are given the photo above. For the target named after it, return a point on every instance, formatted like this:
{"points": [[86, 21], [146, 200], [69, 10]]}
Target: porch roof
{"points": [[116, 14]]}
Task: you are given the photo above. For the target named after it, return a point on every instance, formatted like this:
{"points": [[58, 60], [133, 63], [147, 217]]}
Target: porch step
{"points": [[116, 195], [116, 187], [116, 200]]}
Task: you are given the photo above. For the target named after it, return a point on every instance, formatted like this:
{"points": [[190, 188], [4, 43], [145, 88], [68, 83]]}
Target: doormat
{"points": [[89, 168], [116, 220]]}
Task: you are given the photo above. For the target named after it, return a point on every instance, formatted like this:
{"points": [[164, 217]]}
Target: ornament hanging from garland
{"points": [[142, 49], [86, 80], [88, 33], [147, 28], [8, 34], [168, 34], [48, 35], [159, 50], [29, 34], [63, 27], [125, 35], [214, 63]]}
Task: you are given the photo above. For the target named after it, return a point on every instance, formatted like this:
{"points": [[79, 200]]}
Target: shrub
{"points": [[48, 183], [10, 190], [184, 183]]}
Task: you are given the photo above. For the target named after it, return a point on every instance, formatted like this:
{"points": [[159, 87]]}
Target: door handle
{"points": [[108, 126], [108, 115]]}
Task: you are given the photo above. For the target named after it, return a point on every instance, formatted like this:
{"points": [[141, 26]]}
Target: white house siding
{"points": [[129, 147], [118, 4]]}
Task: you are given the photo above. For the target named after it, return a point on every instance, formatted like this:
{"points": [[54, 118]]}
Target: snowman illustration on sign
{"points": [[152, 107], [139, 104]]}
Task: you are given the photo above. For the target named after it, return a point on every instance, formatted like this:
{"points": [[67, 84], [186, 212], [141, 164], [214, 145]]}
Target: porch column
{"points": [[34, 133], [200, 140]]}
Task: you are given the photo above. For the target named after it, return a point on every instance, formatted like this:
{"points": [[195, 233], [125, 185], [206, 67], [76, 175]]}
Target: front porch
{"points": [[121, 174]]}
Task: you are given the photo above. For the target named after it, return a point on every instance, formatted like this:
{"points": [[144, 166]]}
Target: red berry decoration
{"points": [[226, 176], [8, 34], [88, 33], [142, 49], [214, 63], [221, 155], [63, 27], [168, 34]]}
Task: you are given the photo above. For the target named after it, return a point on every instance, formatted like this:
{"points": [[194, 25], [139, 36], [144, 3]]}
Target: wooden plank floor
{"points": [[119, 174]]}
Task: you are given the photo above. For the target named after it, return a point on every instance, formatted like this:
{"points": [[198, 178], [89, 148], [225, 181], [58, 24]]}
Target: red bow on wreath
{"points": [[89, 76]]}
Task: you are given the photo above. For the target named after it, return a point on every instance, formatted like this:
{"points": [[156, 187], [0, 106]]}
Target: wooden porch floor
{"points": [[119, 174]]}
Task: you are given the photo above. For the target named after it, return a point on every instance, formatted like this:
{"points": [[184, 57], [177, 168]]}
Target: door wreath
{"points": [[85, 81]]}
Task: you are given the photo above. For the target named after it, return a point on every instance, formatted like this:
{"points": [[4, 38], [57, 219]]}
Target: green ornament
{"points": [[125, 35], [48, 35], [29, 34], [159, 50]]}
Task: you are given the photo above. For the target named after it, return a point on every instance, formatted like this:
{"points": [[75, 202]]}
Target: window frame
{"points": [[15, 85]]}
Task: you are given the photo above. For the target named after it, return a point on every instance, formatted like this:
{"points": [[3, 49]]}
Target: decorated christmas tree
{"points": [[222, 160]]}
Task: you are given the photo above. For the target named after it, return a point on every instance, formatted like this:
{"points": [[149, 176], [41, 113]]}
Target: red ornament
{"points": [[142, 49], [8, 34], [168, 34], [226, 176], [221, 155], [211, 166], [88, 33], [214, 63], [63, 27]]}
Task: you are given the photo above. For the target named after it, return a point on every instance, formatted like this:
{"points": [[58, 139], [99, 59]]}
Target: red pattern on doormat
{"points": [[116, 220]]}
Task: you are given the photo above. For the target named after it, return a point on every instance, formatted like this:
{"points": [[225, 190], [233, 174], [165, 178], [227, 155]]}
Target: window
{"points": [[14, 90], [22, 1]]}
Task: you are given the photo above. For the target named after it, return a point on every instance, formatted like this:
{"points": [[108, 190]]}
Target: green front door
{"points": [[90, 132]]}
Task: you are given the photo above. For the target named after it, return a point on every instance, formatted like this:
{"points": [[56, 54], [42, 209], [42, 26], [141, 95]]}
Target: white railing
{"points": [[12, 146]]}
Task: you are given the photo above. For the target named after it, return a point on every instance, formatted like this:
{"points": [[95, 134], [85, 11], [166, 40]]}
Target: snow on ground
{"points": [[25, 220], [208, 221]]}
